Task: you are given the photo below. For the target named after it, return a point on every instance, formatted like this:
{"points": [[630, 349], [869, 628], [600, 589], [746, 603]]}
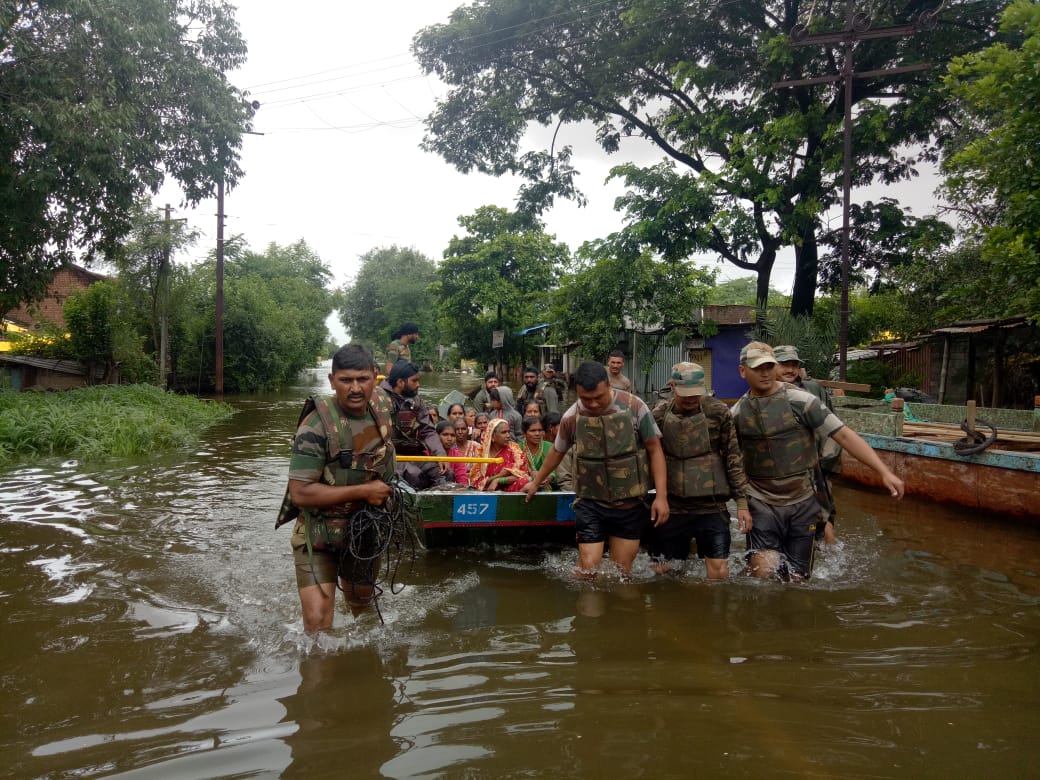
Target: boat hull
{"points": [[1001, 482], [454, 516]]}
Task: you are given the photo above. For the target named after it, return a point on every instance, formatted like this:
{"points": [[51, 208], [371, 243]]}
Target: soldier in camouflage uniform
{"points": [[789, 369], [778, 427], [705, 469], [533, 390], [342, 459], [400, 348], [617, 459], [413, 431]]}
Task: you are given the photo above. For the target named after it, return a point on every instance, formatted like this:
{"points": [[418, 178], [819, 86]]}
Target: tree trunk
{"points": [[806, 267]]}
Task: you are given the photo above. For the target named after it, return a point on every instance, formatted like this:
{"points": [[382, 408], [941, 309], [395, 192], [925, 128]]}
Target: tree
{"points": [[497, 277], [882, 238], [739, 292], [144, 261], [615, 283], [749, 169], [391, 287], [275, 306], [99, 100], [994, 166]]}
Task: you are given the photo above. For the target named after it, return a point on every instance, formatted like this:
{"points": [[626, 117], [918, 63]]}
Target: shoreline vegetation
{"points": [[93, 423]]}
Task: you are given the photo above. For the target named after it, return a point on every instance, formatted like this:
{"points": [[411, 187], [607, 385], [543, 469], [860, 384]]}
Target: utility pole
{"points": [[220, 289], [164, 305], [857, 28]]}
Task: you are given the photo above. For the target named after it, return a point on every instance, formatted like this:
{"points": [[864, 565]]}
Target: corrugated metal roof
{"points": [[62, 366]]}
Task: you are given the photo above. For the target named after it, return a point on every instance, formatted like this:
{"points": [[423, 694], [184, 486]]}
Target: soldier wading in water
{"points": [[342, 461], [778, 425], [617, 452]]}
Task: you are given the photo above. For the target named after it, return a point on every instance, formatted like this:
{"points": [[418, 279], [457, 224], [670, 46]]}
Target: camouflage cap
{"points": [[786, 353], [757, 354], [688, 379], [549, 367]]}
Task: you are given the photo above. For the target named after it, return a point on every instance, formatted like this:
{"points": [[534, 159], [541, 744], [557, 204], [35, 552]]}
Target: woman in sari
{"points": [[535, 448], [511, 475]]}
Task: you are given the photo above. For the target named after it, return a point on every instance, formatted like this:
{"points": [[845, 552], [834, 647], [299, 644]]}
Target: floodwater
{"points": [[151, 629]]}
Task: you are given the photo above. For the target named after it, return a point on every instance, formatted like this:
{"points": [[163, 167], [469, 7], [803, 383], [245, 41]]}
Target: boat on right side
{"points": [[986, 459]]}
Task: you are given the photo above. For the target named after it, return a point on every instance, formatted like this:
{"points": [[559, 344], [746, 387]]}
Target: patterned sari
{"points": [[511, 475]]}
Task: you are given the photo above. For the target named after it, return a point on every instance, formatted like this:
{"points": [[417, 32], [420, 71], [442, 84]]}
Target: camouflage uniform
{"points": [[705, 468], [620, 382], [610, 461], [611, 474], [337, 449], [413, 433], [778, 435], [396, 351], [724, 473], [544, 394]]}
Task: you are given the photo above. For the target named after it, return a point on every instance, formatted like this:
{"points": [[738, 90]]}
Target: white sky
{"points": [[339, 164]]}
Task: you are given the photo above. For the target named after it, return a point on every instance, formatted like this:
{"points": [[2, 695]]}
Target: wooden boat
{"points": [[936, 459]]}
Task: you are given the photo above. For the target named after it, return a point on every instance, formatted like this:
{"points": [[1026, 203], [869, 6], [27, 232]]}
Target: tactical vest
{"points": [[406, 431], [609, 464], [538, 395], [774, 442], [691, 456], [327, 526]]}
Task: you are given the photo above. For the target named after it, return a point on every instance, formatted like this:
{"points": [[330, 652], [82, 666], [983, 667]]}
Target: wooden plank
{"points": [[835, 385]]}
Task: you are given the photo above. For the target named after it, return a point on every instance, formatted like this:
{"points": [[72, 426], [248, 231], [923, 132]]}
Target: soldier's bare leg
{"points": [[590, 555], [318, 604], [623, 552]]}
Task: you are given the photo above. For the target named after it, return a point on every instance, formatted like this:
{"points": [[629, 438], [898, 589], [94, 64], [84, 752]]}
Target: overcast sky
{"points": [[339, 164]]}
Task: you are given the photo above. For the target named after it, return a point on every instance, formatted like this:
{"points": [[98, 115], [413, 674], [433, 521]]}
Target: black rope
{"points": [[384, 532], [974, 442]]}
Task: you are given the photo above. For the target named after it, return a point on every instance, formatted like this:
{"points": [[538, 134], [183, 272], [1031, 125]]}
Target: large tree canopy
{"points": [[994, 167], [749, 168], [497, 277], [391, 287], [614, 286], [99, 100]]}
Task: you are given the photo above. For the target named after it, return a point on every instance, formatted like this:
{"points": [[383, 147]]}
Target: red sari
{"points": [[486, 476]]}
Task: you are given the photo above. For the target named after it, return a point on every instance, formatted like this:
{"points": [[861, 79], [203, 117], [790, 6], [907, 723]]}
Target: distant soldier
{"points": [[551, 378], [400, 348], [615, 365], [618, 458], [779, 425], [533, 390], [705, 469], [482, 401]]}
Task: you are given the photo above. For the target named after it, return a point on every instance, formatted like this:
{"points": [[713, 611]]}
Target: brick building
{"points": [[65, 282]]}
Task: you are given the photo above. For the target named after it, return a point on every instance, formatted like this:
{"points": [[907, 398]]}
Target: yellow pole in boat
{"points": [[444, 459]]}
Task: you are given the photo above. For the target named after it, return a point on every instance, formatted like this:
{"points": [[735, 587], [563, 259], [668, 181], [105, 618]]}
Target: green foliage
{"points": [[870, 372], [496, 277], [392, 286], [815, 337], [741, 292], [90, 315], [101, 100], [882, 239], [103, 421], [275, 306], [993, 166], [614, 282], [749, 168]]}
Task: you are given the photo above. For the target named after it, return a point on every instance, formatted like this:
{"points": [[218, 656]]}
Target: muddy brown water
{"points": [[151, 629]]}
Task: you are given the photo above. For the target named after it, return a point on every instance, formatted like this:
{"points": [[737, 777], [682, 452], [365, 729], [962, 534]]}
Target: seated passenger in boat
{"points": [[535, 447], [511, 475], [446, 430]]}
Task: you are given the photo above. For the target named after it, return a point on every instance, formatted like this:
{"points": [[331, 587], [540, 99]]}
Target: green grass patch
{"points": [[93, 423]]}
